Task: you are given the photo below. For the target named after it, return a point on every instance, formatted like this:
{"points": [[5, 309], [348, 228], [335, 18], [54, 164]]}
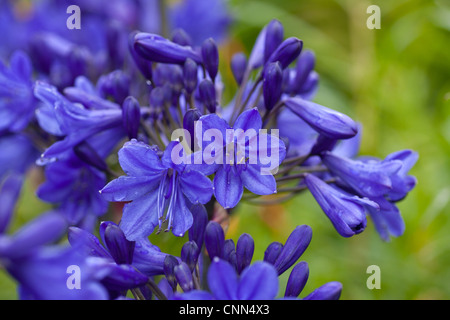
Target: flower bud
{"points": [[329, 291], [131, 115], [326, 121], [170, 262], [294, 247], [369, 179], [238, 66], [207, 93], [347, 213], [273, 76], [274, 37], [245, 248], [229, 252], [158, 49], [214, 240], [189, 119], [183, 275], [272, 252], [179, 36], [115, 84], [210, 56], [190, 75], [189, 254], [144, 66], [119, 247], [297, 279], [286, 52], [305, 65]]}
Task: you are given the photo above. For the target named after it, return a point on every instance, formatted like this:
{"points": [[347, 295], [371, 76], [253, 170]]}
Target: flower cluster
{"points": [[130, 110]]}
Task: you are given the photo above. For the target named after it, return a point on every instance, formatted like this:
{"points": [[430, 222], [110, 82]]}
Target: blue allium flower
{"points": [[157, 191]]}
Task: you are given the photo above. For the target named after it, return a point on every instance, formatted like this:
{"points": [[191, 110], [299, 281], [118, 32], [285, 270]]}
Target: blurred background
{"points": [[395, 81]]}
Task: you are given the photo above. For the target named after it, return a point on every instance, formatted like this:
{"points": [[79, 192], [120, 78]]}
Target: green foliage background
{"points": [[395, 81]]}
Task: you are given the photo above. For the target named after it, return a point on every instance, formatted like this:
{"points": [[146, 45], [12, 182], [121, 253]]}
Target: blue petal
{"points": [[148, 258], [137, 159], [123, 277], [196, 187], [44, 275], [182, 217], [222, 280], [329, 291], [87, 242], [258, 282], [140, 217], [387, 220], [214, 123], [300, 135], [20, 64], [9, 193], [256, 182], [294, 247], [250, 119], [43, 230], [228, 186], [130, 188]]}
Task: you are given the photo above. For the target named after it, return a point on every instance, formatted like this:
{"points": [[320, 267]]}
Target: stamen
{"points": [[172, 201], [161, 201]]}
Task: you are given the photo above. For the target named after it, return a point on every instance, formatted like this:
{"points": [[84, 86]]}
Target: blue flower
{"points": [[40, 266], [86, 116], [157, 191], [381, 183], [44, 275], [237, 170], [130, 262], [368, 179], [347, 212], [73, 185]]}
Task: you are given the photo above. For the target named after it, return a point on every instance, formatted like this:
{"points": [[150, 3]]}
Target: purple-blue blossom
{"points": [[157, 190]]}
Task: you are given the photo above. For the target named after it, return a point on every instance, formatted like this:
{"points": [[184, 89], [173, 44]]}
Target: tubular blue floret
{"points": [[158, 49]]}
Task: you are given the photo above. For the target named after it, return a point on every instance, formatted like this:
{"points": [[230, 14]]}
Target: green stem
{"points": [[155, 289]]}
